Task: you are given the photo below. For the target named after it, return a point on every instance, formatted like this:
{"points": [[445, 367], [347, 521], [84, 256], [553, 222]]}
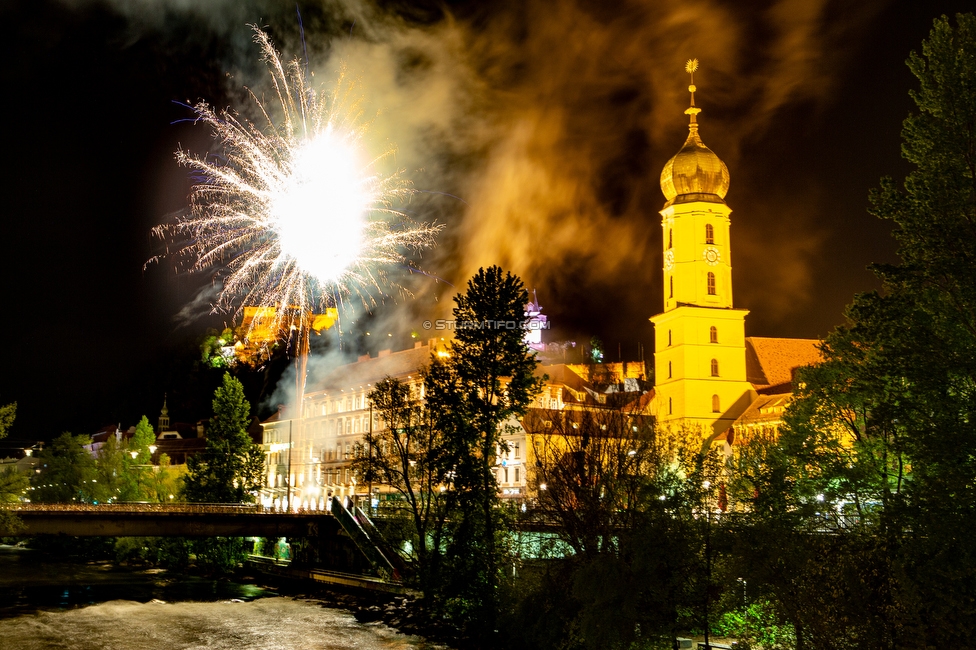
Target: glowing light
{"points": [[294, 214]]}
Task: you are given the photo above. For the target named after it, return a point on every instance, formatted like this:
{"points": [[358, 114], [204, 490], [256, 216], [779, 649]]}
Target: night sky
{"points": [[535, 131]]}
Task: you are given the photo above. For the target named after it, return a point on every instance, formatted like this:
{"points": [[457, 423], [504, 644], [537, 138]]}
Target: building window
{"points": [[711, 283], [713, 334], [669, 338], [670, 239], [517, 450], [714, 367], [670, 407], [709, 234], [669, 370], [671, 287], [517, 475], [715, 404]]}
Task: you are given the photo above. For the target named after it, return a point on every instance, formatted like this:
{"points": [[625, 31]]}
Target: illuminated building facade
{"points": [[309, 458], [707, 372]]}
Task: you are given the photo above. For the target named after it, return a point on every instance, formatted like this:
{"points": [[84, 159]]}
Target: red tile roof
{"points": [[771, 363]]}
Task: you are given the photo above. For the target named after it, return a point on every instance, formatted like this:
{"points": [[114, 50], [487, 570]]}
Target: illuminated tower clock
{"points": [[699, 351]]}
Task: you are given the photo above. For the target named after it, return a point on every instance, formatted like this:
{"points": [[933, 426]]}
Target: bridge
{"points": [[168, 520]]}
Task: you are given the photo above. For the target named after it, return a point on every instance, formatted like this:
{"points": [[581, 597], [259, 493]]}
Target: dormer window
{"points": [[709, 234]]}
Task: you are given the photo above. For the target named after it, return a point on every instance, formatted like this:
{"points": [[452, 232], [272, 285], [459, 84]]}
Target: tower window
{"points": [[709, 234], [669, 370], [713, 334], [711, 283], [671, 286], [669, 338], [714, 367], [716, 407], [670, 239], [670, 407]]}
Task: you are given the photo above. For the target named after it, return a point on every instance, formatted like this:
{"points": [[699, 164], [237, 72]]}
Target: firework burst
{"points": [[294, 215]]}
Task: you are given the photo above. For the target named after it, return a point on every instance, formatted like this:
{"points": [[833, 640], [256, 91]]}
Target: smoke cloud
{"points": [[540, 126]]}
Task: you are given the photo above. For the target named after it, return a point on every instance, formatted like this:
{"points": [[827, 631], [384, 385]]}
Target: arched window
{"points": [[709, 234], [716, 407], [671, 286], [713, 334], [714, 367], [711, 283], [669, 370], [670, 239]]}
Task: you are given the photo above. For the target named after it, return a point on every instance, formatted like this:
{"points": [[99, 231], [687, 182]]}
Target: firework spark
{"points": [[294, 214]]}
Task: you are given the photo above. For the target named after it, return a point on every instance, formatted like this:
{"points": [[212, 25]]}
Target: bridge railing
{"points": [[198, 508]]}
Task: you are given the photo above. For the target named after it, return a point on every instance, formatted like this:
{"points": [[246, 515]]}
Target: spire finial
{"points": [[690, 68]]}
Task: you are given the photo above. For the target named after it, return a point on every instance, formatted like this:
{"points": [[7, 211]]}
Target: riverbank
{"points": [[34, 582], [402, 612]]}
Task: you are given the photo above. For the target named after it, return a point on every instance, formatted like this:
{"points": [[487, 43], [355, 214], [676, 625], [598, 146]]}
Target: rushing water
{"points": [[51, 604]]}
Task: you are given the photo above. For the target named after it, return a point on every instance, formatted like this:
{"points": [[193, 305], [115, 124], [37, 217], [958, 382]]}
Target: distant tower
{"points": [[699, 338], [535, 322], [163, 424]]}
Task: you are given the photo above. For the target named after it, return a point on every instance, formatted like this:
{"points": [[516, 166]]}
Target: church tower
{"points": [[699, 338], [163, 423]]}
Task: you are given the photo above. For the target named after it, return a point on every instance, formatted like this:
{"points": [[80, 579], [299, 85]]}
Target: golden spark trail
{"points": [[295, 215]]}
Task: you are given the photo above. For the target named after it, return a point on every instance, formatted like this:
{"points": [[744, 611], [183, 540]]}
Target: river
{"points": [[46, 603]]}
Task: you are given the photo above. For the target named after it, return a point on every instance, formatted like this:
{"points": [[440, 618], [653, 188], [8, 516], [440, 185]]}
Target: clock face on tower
{"points": [[668, 260], [712, 256]]}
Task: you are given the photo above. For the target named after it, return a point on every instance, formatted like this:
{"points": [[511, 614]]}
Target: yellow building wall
{"points": [[685, 264], [685, 384]]}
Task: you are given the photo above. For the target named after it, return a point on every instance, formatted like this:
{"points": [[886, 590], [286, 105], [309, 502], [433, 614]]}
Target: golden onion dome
{"points": [[695, 173]]}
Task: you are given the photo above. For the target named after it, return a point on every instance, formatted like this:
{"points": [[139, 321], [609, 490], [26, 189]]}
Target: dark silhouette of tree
{"points": [[229, 469]]}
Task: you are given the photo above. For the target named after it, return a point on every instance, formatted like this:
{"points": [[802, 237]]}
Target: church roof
{"points": [[771, 363], [695, 173], [766, 411]]}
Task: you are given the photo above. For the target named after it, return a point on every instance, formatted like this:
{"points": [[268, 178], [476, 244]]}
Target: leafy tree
{"points": [[7, 414], [164, 483], [13, 484], [627, 499], [68, 472], [141, 439], [885, 428], [411, 456], [116, 477], [475, 396], [230, 468]]}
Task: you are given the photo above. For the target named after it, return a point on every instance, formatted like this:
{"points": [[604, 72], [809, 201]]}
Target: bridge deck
{"points": [[165, 520]]}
